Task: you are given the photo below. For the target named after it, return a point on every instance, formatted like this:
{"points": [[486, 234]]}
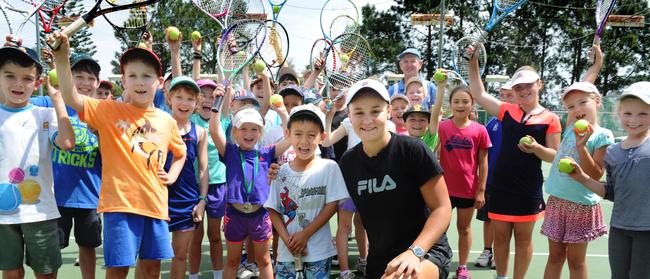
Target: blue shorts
{"points": [[129, 236], [316, 270], [216, 207]]}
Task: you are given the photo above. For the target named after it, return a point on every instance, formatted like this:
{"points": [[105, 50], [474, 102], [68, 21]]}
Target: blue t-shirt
{"points": [[236, 192], [160, 102], [562, 185], [77, 173], [494, 130], [429, 99]]}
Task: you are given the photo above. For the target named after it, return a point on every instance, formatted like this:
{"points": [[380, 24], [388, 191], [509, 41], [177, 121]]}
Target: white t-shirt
{"points": [[299, 197], [353, 139], [26, 137]]}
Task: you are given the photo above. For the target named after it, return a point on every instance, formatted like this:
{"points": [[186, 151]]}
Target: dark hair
{"points": [[21, 61], [308, 117], [460, 88], [86, 68]]}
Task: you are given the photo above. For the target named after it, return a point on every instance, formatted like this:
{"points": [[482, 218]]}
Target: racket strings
{"points": [[352, 61], [240, 44], [343, 24], [603, 10], [213, 7], [50, 5]]}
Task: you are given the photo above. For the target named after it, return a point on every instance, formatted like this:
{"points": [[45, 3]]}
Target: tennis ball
{"points": [[526, 140], [30, 190], [54, 79], [174, 33], [196, 36], [10, 198], [440, 76], [259, 66], [16, 175], [565, 165], [581, 126], [143, 45], [345, 58], [277, 100], [276, 9]]}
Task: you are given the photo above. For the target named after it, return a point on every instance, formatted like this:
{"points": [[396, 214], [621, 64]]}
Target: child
{"points": [[188, 195], [246, 171], [304, 197], [105, 90], [516, 199], [137, 136], [415, 91], [400, 173], [216, 206], [398, 104], [28, 223], [463, 152], [423, 124], [627, 164]]}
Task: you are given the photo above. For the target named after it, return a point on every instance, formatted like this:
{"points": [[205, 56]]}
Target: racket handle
{"points": [[297, 260], [467, 55], [592, 54], [216, 106], [68, 31]]}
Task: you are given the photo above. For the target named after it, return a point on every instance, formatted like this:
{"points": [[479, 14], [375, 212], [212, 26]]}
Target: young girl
{"points": [[573, 214], [398, 105], [516, 199], [414, 91], [464, 145], [627, 164], [187, 196], [248, 188]]}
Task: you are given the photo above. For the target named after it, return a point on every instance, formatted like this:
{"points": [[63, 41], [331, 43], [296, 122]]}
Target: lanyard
{"points": [[249, 185]]}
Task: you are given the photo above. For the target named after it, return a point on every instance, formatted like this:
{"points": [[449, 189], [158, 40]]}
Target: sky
{"points": [[300, 18]]}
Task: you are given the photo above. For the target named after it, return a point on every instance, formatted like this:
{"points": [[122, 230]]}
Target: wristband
{"points": [[203, 198]]}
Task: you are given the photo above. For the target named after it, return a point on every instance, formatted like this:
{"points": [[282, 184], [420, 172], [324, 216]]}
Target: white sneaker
{"points": [[347, 275], [485, 259], [254, 269], [361, 265], [244, 273], [493, 264]]}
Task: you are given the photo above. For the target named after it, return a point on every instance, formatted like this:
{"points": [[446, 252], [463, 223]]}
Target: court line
{"points": [[540, 254]]}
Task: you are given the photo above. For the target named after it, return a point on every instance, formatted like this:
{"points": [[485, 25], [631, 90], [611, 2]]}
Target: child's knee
{"points": [[263, 259], [233, 261]]}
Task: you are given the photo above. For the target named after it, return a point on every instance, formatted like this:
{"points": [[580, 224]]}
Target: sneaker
{"points": [[361, 265], [244, 273], [347, 275], [484, 259], [76, 262], [335, 260], [254, 269], [462, 273], [493, 264]]}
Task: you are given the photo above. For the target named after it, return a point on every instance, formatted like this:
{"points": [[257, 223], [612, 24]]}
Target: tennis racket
{"points": [[276, 6], [52, 9], [333, 9], [215, 9], [275, 50], [130, 24], [319, 49], [25, 9], [348, 60], [111, 6], [343, 24], [239, 44], [603, 9], [461, 63], [500, 10]]}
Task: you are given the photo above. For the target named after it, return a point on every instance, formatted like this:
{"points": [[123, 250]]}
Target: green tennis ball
{"points": [[581, 126], [440, 76], [277, 100], [174, 33], [565, 165], [526, 140], [54, 79], [345, 58], [259, 66], [276, 9], [143, 45], [196, 36]]}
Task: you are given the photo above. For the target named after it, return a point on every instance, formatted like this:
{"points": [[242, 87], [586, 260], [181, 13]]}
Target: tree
{"points": [[385, 36], [82, 40]]}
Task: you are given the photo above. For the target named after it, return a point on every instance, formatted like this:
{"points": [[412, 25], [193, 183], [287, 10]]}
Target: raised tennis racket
{"points": [[500, 10], [333, 9], [348, 60], [277, 6], [275, 50], [319, 49], [215, 9], [48, 12], [460, 62], [26, 9], [130, 24], [603, 10], [239, 44], [343, 24], [109, 6]]}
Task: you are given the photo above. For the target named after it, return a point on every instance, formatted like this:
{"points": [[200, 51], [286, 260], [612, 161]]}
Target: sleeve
{"points": [[336, 189], [503, 109], [53, 123], [176, 144], [604, 138], [272, 201], [229, 149], [41, 101], [95, 112], [554, 126], [269, 153], [430, 140], [391, 90], [432, 93], [424, 164], [485, 142]]}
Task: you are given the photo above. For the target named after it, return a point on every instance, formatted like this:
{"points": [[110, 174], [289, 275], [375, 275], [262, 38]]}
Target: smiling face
{"points": [[397, 108], [183, 101], [415, 93], [140, 82], [102, 93], [634, 115], [304, 135], [461, 103], [416, 124], [368, 114], [582, 105], [85, 82], [247, 135], [508, 96], [410, 65], [17, 83], [207, 99], [527, 94]]}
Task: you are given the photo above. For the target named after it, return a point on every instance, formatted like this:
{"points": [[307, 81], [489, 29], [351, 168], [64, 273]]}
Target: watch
{"points": [[417, 250], [204, 198]]}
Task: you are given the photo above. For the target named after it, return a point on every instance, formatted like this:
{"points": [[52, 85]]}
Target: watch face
{"points": [[418, 251]]}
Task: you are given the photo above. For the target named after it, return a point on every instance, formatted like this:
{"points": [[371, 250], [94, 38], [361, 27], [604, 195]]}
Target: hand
{"points": [[198, 211], [52, 90], [298, 242], [273, 172], [577, 174], [529, 148], [13, 41], [63, 52], [147, 38], [174, 45], [219, 91], [197, 45], [442, 81], [597, 54], [318, 64], [406, 265], [475, 51], [581, 140], [165, 178], [47, 56], [479, 199]]}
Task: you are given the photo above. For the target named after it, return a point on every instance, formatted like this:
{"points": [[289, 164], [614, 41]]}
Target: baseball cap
{"points": [[28, 53], [410, 50], [639, 90], [581, 86], [415, 109], [506, 86], [141, 53], [184, 80], [168, 76], [524, 76], [308, 109], [246, 96], [292, 89], [107, 84], [399, 96], [77, 58], [206, 82], [371, 84], [287, 73], [247, 115]]}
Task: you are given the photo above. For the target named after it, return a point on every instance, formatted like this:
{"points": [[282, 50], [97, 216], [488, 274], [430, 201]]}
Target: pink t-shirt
{"points": [[459, 156]]}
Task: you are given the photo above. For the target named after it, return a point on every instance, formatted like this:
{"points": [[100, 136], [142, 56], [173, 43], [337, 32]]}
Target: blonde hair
{"points": [[412, 81]]}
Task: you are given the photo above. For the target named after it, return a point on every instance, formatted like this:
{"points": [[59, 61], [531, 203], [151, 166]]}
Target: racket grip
{"points": [[297, 260], [216, 106], [467, 55], [68, 31], [592, 54]]}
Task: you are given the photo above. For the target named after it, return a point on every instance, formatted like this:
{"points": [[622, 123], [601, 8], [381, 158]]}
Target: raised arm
{"points": [[197, 46], [476, 88], [593, 71], [284, 144], [65, 138], [338, 134], [311, 81], [62, 61], [216, 131], [266, 95], [436, 109], [175, 49]]}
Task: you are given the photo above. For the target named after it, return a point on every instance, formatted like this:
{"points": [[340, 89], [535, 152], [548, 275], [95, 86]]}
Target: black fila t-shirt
{"points": [[386, 191]]}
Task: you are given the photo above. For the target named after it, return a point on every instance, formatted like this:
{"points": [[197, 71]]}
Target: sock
{"points": [[488, 249], [343, 273], [217, 274], [194, 276], [464, 266], [501, 277]]}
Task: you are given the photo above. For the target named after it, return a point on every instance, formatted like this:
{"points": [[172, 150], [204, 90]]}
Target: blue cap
{"points": [[78, 57], [410, 50], [184, 80], [292, 89], [246, 96], [30, 54]]}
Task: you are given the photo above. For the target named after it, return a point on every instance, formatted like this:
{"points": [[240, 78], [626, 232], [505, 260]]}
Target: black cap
{"points": [[292, 89], [416, 109], [141, 53], [27, 53], [77, 58], [287, 73]]}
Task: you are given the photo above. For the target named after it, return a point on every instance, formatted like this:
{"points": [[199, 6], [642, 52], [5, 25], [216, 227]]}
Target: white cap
{"points": [[371, 84], [581, 86], [639, 90], [506, 86], [524, 76], [399, 96], [247, 115], [308, 109]]}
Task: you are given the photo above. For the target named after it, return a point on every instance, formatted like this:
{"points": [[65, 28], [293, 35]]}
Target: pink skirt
{"points": [[570, 222]]}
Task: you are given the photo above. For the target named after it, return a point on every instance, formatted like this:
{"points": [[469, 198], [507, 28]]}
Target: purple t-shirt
{"points": [[237, 192]]}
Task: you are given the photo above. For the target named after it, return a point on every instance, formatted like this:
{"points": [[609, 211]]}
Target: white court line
{"points": [[541, 254]]}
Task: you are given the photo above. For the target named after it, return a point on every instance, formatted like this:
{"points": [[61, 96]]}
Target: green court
{"points": [[597, 258]]}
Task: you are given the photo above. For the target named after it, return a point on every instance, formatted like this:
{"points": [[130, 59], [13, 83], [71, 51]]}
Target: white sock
{"points": [[217, 274], [194, 276]]}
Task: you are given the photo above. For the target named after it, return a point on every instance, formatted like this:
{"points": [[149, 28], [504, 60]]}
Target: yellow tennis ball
{"points": [[54, 79], [526, 140], [565, 165], [439, 76], [174, 33], [345, 58], [277, 100], [30, 190], [196, 36], [143, 45], [259, 66], [581, 126]]}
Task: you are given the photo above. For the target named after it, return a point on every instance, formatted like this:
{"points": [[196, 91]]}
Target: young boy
{"points": [[134, 185], [105, 90], [304, 197], [28, 225], [396, 184]]}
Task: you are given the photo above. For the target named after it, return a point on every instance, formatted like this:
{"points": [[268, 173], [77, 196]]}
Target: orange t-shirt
{"points": [[134, 144]]}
